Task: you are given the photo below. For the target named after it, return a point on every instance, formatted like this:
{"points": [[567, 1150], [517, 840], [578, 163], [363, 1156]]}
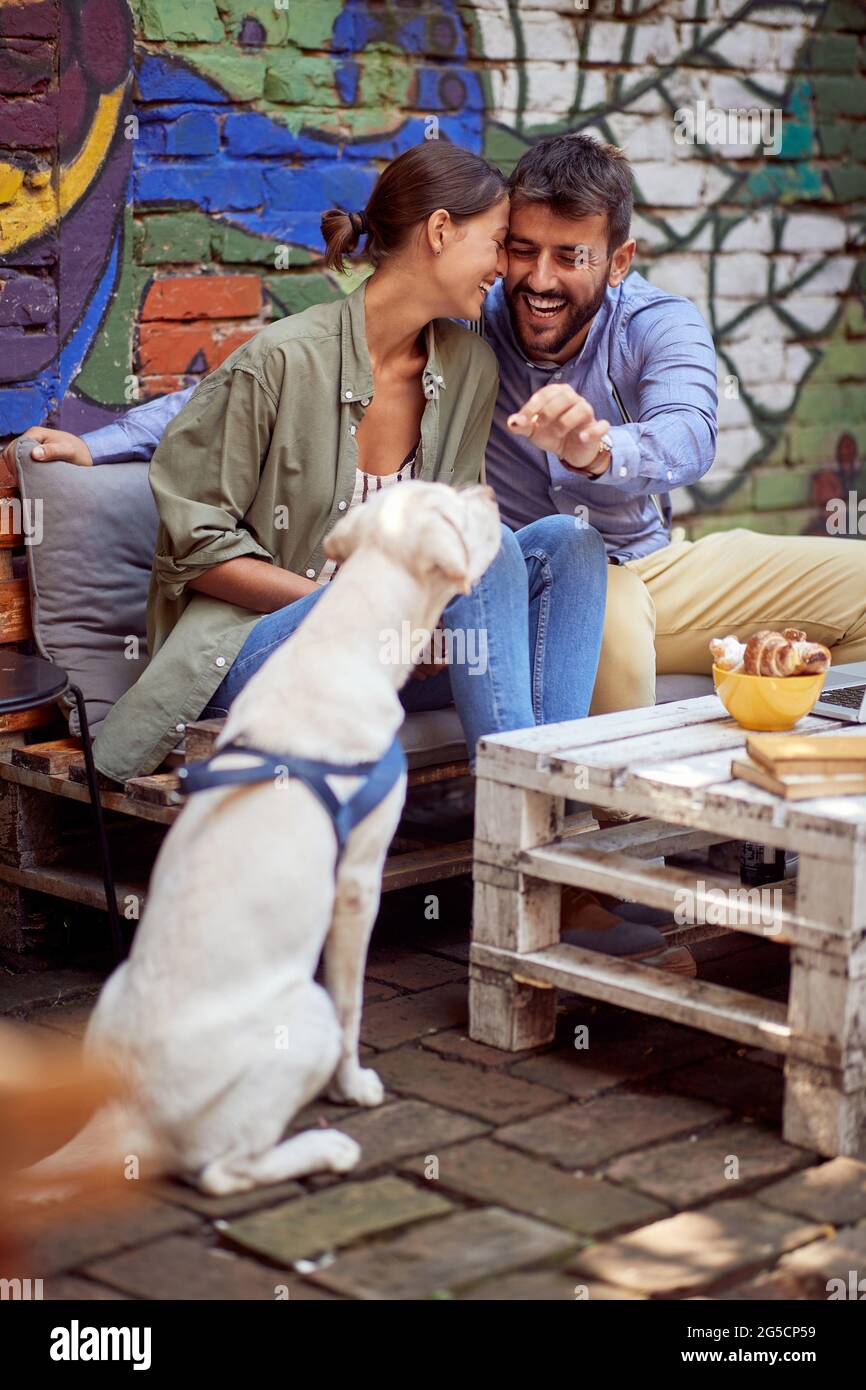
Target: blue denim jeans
{"points": [[536, 616]]}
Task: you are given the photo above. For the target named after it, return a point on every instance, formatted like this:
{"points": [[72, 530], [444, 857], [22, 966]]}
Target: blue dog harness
{"points": [[379, 777]]}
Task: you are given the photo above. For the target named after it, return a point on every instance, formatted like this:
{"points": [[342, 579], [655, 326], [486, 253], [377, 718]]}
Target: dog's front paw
{"points": [[357, 1085], [338, 1152]]}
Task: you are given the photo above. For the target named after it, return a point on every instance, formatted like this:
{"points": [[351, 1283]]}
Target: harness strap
{"points": [[382, 776], [379, 777]]}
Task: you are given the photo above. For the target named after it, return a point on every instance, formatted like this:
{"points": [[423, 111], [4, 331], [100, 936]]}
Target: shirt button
{"points": [[220, 661], [353, 429], [348, 395], [341, 506], [311, 574], [366, 400], [670, 476], [557, 376], [623, 472], [181, 728]]}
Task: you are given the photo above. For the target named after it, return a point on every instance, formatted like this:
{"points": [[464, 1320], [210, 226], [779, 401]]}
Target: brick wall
{"points": [[163, 165], [29, 212]]}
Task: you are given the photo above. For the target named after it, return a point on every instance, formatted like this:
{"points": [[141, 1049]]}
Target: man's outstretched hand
{"points": [[53, 444], [561, 422]]}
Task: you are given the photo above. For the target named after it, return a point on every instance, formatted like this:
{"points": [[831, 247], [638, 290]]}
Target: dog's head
{"points": [[430, 529]]}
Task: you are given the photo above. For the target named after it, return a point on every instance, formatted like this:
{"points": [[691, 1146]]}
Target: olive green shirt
{"points": [[261, 461]]}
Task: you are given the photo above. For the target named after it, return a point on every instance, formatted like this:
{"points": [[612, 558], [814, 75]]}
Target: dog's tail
{"points": [[116, 1143]]}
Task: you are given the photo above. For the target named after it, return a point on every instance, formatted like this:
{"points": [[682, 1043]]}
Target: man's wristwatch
{"points": [[605, 446]]}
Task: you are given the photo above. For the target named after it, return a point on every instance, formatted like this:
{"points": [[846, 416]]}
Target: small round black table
{"points": [[28, 681]]}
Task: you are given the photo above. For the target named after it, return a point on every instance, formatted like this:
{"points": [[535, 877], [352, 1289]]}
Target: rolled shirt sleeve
{"points": [[135, 435], [205, 475], [673, 441]]}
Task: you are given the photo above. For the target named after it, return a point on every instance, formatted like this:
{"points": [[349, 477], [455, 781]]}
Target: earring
{"points": [[439, 251]]}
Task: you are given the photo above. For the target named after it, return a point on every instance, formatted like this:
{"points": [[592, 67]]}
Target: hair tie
{"points": [[359, 223]]}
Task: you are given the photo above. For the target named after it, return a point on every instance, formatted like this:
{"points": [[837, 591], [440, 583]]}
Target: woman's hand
{"points": [[432, 663], [425, 669], [561, 422], [53, 444]]}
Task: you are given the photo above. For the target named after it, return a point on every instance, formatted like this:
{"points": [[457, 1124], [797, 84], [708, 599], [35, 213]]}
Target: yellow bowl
{"points": [[770, 703]]}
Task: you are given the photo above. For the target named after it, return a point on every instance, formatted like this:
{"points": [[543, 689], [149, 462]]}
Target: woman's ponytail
{"points": [[342, 231]]}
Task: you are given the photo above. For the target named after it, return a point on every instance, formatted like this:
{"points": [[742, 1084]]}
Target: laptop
{"points": [[844, 693]]}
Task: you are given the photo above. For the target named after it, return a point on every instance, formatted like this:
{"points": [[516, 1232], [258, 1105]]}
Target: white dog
{"points": [[215, 1021]]}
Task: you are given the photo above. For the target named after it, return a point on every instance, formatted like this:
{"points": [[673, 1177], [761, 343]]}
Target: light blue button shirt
{"points": [[656, 351], [653, 347]]}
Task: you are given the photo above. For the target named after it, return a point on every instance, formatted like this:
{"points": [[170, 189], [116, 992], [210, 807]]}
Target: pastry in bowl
{"points": [[770, 681], [769, 653]]}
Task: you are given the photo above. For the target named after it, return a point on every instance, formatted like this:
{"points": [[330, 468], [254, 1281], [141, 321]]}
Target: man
{"points": [[579, 338], [570, 321]]}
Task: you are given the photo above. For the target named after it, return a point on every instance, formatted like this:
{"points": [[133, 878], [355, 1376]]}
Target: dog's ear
{"points": [[444, 548], [345, 536]]}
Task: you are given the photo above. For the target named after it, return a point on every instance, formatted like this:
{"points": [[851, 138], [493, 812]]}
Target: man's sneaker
{"points": [[585, 923]]}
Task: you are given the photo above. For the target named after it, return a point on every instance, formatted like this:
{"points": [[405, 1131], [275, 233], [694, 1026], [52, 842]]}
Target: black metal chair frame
{"points": [[17, 664]]}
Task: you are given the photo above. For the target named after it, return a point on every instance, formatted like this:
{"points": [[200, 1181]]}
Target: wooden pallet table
{"points": [[671, 764]]}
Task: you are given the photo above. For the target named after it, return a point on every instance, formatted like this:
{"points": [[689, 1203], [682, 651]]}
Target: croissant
{"points": [[772, 654], [812, 658], [768, 654]]}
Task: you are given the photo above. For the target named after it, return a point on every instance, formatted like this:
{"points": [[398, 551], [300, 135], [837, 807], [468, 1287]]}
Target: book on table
{"points": [[800, 786], [809, 754]]}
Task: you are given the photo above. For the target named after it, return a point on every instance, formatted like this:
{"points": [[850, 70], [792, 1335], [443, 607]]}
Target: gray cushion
{"points": [[433, 736], [90, 572], [682, 688]]}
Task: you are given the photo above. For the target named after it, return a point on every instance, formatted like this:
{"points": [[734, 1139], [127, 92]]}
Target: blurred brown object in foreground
{"points": [[48, 1092]]}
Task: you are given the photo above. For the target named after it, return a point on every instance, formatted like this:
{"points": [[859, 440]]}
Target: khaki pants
{"points": [[663, 609]]}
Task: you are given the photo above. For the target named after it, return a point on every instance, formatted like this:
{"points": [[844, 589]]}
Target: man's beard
{"points": [[577, 316]]}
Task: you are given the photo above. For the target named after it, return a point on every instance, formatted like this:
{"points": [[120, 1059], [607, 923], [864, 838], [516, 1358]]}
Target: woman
{"points": [[314, 415]]}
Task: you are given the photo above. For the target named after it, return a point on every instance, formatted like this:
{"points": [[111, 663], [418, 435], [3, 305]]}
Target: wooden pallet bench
{"points": [[39, 853], [47, 844]]}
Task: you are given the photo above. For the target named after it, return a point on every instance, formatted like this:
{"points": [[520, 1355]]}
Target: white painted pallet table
{"points": [[671, 763]]}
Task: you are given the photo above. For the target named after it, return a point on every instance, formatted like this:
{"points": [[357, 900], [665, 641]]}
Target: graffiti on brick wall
{"points": [[728, 211], [254, 115], [63, 187], [239, 146]]}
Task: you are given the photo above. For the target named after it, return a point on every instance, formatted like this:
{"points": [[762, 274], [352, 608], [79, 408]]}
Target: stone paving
{"points": [[649, 1165]]}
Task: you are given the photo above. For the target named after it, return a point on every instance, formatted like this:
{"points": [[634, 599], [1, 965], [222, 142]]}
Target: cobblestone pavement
{"points": [[647, 1165]]}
